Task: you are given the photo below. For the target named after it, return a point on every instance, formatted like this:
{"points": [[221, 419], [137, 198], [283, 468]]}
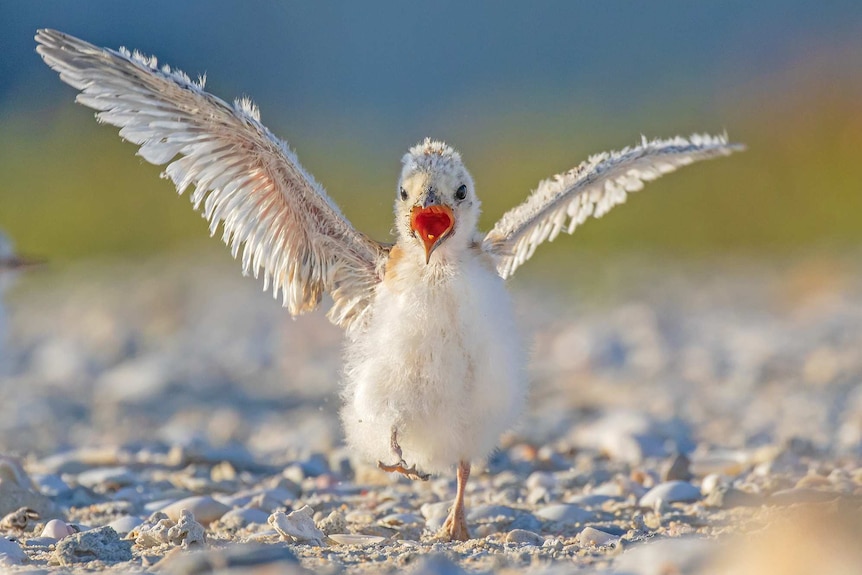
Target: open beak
{"points": [[432, 224]]}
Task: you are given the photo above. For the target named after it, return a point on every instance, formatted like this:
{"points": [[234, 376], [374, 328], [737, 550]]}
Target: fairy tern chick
{"points": [[434, 368]]}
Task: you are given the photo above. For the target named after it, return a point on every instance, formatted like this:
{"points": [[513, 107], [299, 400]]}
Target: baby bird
{"points": [[434, 369]]}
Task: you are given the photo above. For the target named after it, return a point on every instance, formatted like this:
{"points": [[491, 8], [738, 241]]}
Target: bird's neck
{"points": [[407, 262]]}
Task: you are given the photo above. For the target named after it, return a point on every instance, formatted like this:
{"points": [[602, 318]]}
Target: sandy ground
{"points": [[682, 419]]}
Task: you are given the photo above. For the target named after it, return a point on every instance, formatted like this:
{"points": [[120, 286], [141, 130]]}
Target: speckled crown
{"points": [[431, 155]]}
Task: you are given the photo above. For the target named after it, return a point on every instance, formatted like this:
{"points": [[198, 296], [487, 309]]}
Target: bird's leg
{"points": [[401, 466], [455, 527]]}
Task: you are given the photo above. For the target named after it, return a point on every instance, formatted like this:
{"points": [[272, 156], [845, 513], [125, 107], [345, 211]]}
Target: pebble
{"points": [[591, 537], [676, 469], [801, 495], [564, 513], [356, 539], [125, 524], [246, 558], [187, 532], [237, 518], [203, 507], [670, 492], [101, 543], [11, 553], [401, 519], [435, 514], [664, 556], [630, 436], [153, 532], [298, 526], [57, 529], [491, 514], [591, 499], [51, 485], [524, 537], [111, 478]]}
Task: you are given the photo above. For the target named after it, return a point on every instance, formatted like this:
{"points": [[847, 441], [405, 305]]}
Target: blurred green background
{"points": [[523, 90]]}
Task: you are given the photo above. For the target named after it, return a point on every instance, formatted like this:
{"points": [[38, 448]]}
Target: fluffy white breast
{"points": [[440, 361]]}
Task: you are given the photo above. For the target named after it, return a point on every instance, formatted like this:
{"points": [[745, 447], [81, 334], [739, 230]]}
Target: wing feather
{"points": [[244, 178], [565, 201]]}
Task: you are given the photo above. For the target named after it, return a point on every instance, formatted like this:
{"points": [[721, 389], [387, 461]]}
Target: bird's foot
{"points": [[455, 527], [408, 472]]}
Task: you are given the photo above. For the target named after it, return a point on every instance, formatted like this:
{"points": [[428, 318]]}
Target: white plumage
{"points": [[434, 367]]}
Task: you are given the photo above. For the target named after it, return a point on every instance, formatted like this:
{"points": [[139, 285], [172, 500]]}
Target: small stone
{"points": [[203, 507], [187, 532], [665, 556], [356, 539], [564, 513], [51, 485], [396, 520], [711, 482], [11, 553], [801, 495], [333, 523], [541, 479], [298, 526], [234, 559], [676, 469], [152, 532], [238, 518], [56, 529], [726, 497], [591, 499], [438, 564], [125, 524], [524, 537], [101, 543], [491, 514], [435, 514], [591, 537], [670, 492], [106, 478]]}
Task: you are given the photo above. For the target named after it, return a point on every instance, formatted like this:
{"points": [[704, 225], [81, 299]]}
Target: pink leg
{"points": [[455, 527]]}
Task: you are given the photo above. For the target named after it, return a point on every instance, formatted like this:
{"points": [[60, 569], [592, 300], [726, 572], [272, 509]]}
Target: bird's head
{"points": [[436, 201]]}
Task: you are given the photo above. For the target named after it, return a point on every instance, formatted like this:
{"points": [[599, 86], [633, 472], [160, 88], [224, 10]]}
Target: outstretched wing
{"points": [[243, 177], [565, 201]]}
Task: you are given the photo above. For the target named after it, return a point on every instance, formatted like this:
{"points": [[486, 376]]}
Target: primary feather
{"points": [[565, 201], [244, 178]]}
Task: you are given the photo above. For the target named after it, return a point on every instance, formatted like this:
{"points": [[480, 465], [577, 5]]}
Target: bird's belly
{"points": [[442, 368]]}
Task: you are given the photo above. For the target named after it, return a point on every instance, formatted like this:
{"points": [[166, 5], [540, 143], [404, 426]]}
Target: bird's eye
{"points": [[461, 193], [403, 195]]}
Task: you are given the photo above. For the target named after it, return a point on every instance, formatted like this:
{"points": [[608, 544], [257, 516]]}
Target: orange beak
{"points": [[433, 224]]}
